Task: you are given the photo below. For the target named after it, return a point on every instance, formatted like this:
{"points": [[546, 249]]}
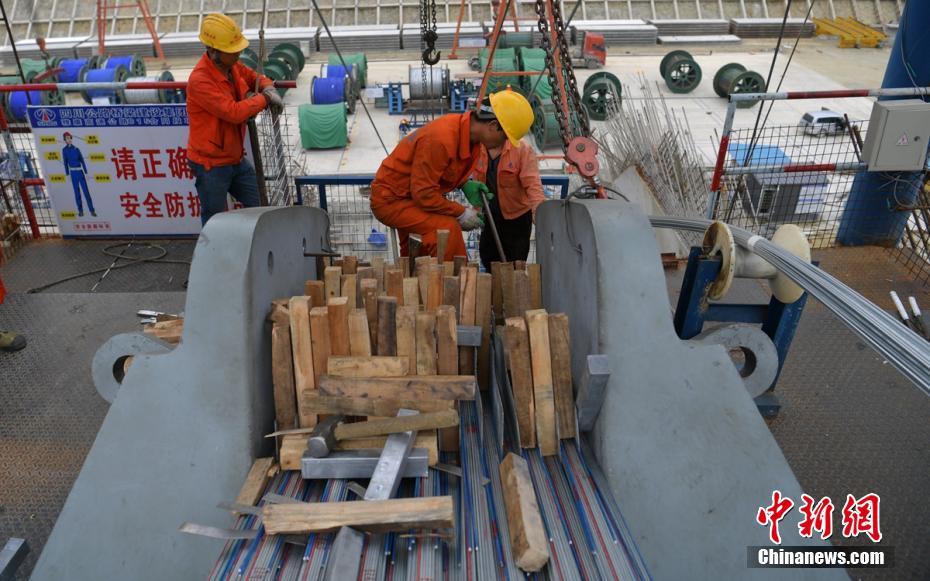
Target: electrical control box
{"points": [[898, 135]]}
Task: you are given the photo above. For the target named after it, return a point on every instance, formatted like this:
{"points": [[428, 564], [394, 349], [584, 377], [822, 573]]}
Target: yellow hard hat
{"points": [[221, 32], [513, 112]]}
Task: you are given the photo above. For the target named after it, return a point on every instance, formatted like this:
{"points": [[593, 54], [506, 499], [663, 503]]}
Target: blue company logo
{"points": [[44, 115]]}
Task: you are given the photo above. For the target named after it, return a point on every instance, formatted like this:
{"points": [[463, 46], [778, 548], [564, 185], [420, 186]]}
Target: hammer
{"points": [[413, 246], [322, 439]]}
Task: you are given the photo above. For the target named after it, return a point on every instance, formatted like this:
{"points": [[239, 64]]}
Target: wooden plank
{"points": [[497, 297], [362, 406], [278, 314], [434, 291], [467, 317], [168, 331], [394, 284], [425, 439], [282, 377], [292, 449], [537, 324], [319, 338], [387, 326], [448, 269], [255, 482], [366, 272], [519, 265], [332, 280], [359, 335], [421, 264], [396, 514], [457, 263], [407, 336], [450, 292], [410, 387], [338, 325], [350, 289], [535, 274], [396, 425], [560, 350], [508, 299], [442, 242], [316, 290], [521, 292], [483, 318], [403, 263], [411, 292], [370, 300], [517, 347], [426, 344], [349, 265], [447, 362], [377, 264], [368, 366], [524, 521], [298, 308]]}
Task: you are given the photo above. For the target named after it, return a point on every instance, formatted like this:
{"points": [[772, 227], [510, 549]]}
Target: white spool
{"points": [[435, 87]]}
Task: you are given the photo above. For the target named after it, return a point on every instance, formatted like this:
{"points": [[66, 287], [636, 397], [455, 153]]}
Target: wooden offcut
{"points": [[426, 343], [521, 292], [370, 299], [365, 406], [350, 289], [483, 319], [282, 377], [376, 366], [359, 335], [467, 316], [332, 279], [403, 263], [319, 338], [291, 451], [559, 347], [396, 514], [387, 326], [535, 274], [349, 264], [316, 290], [426, 439], [302, 352], [457, 263], [524, 521], [338, 325], [517, 346], [168, 331], [411, 387], [278, 314], [447, 362], [255, 482], [450, 292], [407, 336], [434, 288], [396, 425], [394, 284], [537, 323], [442, 242], [411, 292], [508, 297]]}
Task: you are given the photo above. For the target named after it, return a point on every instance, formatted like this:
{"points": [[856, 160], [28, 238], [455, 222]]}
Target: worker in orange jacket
{"points": [[408, 192], [511, 174], [218, 106], [9, 341]]}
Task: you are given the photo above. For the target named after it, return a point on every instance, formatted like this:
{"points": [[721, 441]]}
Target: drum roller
{"points": [[249, 58], [734, 78], [15, 103], [326, 91], [600, 91], [545, 127], [134, 65], [434, 85], [291, 54], [140, 96], [516, 40], [680, 71], [359, 60], [534, 59], [277, 70], [117, 74], [505, 60]]}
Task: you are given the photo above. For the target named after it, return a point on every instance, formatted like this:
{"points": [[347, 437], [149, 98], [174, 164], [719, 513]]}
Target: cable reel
{"points": [[681, 72], [735, 78]]}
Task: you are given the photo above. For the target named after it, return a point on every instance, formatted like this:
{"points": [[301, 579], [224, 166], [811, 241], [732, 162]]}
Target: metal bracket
{"points": [[360, 464], [391, 464]]}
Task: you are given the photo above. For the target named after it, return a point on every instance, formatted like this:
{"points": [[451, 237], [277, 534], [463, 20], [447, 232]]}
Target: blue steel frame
{"points": [[779, 320]]}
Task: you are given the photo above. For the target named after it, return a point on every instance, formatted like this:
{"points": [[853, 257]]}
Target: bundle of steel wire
{"points": [[900, 346]]}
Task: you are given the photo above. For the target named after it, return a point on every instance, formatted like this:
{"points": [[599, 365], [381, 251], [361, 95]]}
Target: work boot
{"points": [[11, 341]]}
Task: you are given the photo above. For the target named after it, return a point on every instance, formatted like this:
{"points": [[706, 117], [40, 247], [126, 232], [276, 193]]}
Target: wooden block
{"points": [[447, 362], [316, 290], [483, 318], [256, 481], [535, 274], [168, 331], [411, 292], [371, 406], [410, 387], [377, 263], [425, 439], [421, 264], [517, 346], [394, 284], [387, 326], [467, 317], [395, 425], [338, 325], [524, 521], [560, 350], [537, 324], [368, 366], [298, 308], [450, 292], [319, 338], [426, 344], [521, 292], [282, 376], [448, 269], [508, 299], [407, 336], [292, 450], [349, 264], [350, 289], [370, 299], [434, 292], [519, 265], [332, 280], [278, 314], [366, 272], [359, 335], [423, 284], [403, 263], [396, 514], [442, 242], [457, 263]]}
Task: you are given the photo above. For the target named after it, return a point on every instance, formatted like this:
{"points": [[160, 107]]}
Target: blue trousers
{"points": [[79, 183], [238, 180]]}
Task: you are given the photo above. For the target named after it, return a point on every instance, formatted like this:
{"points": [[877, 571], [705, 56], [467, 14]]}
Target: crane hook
{"points": [[431, 56]]}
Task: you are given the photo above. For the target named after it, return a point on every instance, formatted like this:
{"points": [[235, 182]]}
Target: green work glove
{"points": [[473, 189]]}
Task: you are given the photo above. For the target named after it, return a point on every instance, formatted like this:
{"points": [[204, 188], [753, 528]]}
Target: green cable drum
{"points": [[680, 71], [505, 60], [290, 53], [249, 55], [734, 78], [600, 91], [359, 60], [545, 127], [516, 40], [277, 71], [322, 126], [534, 59], [32, 68]]}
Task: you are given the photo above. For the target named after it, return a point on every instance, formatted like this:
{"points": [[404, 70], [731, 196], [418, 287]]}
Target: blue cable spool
{"points": [[18, 101], [132, 63], [326, 91], [337, 71], [74, 70], [117, 74]]}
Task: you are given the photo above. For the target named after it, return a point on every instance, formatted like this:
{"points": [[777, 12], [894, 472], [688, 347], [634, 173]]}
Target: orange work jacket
{"points": [[519, 189], [217, 109], [428, 163]]}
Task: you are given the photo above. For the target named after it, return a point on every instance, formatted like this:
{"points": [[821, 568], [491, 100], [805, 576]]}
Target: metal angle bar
{"points": [[344, 555], [11, 557], [239, 508], [363, 464], [387, 473], [216, 532]]}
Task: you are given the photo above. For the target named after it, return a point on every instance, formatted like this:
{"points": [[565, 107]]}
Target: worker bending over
{"points": [[218, 106], [408, 192], [509, 176]]}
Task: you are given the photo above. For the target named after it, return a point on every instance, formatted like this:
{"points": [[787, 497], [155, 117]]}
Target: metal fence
{"points": [[355, 230]]}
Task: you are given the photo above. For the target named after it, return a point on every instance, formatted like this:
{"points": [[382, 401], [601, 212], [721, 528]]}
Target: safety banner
{"points": [[117, 170]]}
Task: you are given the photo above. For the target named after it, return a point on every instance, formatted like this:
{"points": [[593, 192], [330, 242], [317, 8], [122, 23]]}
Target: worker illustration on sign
{"points": [[218, 107], [509, 177], [408, 192], [75, 167]]}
